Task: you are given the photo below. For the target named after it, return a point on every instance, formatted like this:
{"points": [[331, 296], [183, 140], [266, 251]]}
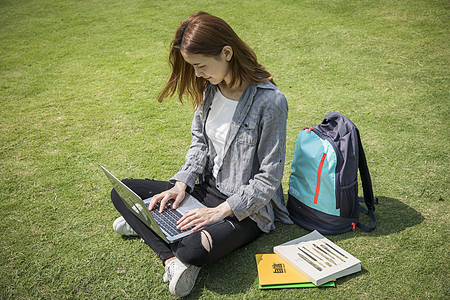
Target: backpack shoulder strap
{"points": [[366, 181]]}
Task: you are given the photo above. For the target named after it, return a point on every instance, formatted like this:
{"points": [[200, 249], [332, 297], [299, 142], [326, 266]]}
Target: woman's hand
{"points": [[177, 192], [202, 217]]}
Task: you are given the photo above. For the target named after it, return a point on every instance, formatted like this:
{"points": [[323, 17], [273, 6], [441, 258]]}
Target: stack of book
{"points": [[309, 261]]}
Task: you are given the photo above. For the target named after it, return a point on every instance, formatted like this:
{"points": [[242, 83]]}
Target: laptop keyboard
{"points": [[167, 219]]}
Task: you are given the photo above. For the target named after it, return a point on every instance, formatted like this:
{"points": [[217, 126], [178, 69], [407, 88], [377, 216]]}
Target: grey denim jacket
{"points": [[253, 164]]}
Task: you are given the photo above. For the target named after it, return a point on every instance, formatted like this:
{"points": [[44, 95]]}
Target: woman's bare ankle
{"points": [[167, 261]]}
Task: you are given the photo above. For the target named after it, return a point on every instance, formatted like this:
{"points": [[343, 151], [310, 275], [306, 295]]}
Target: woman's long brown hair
{"points": [[206, 34]]}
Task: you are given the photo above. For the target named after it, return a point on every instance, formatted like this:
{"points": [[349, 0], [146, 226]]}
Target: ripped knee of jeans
{"points": [[206, 240], [231, 224]]}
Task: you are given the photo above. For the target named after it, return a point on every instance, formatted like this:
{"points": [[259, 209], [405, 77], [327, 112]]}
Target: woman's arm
{"points": [[195, 161], [202, 217], [196, 157]]}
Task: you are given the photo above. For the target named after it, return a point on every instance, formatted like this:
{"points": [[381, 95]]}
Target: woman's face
{"points": [[215, 69]]}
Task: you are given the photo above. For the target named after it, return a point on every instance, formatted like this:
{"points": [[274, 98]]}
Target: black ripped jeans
{"points": [[218, 240]]}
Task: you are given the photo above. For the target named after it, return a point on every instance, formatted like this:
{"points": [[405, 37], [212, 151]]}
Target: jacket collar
{"points": [[244, 104], [242, 109]]}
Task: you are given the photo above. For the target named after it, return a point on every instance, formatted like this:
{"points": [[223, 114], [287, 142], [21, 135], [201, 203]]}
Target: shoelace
{"points": [[169, 272]]}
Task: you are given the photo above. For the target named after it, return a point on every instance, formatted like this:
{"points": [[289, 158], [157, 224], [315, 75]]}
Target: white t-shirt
{"points": [[218, 125]]}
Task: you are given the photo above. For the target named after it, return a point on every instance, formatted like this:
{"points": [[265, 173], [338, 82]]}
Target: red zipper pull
{"points": [[309, 128]]}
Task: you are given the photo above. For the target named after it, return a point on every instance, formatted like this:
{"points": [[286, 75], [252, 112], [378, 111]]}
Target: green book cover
{"points": [[296, 285]]}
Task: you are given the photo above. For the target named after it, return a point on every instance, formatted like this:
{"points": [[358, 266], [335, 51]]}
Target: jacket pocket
{"points": [[248, 132]]}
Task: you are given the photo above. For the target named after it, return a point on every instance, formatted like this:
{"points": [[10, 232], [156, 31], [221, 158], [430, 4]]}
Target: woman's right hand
{"points": [[177, 193]]}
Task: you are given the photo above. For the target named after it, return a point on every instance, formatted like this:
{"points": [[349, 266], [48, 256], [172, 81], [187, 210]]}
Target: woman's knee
{"points": [[195, 249]]}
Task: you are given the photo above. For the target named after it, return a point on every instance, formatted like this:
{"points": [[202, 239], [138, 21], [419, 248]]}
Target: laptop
{"points": [[163, 224]]}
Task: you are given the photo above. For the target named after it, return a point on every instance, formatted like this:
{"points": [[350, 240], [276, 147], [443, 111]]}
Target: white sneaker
{"points": [[122, 227], [181, 276]]}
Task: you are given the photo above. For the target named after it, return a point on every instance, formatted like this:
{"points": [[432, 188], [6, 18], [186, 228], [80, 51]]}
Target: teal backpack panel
{"points": [[312, 178]]}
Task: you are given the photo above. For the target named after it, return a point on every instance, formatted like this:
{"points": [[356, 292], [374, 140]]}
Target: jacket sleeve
{"points": [[196, 156], [270, 157]]}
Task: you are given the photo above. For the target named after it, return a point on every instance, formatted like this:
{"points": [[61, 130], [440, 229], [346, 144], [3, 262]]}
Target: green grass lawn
{"points": [[78, 83]]}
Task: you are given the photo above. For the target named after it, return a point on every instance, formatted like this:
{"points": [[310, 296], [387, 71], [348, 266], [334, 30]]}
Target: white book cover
{"points": [[319, 259]]}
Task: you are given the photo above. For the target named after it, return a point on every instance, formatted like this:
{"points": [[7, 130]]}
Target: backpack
{"points": [[323, 184]]}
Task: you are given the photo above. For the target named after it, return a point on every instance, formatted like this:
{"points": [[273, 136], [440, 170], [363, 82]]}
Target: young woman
{"points": [[236, 159]]}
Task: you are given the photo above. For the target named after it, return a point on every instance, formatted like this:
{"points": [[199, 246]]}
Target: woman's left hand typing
{"points": [[203, 217]]}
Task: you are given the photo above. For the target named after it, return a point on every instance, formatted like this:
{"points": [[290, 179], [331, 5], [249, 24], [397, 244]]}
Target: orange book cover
{"points": [[274, 270]]}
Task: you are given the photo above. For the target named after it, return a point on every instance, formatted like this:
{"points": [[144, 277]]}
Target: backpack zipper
{"points": [[339, 161], [319, 172]]}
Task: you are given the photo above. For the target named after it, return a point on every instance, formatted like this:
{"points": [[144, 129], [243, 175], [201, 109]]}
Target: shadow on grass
{"points": [[392, 216], [237, 272]]}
